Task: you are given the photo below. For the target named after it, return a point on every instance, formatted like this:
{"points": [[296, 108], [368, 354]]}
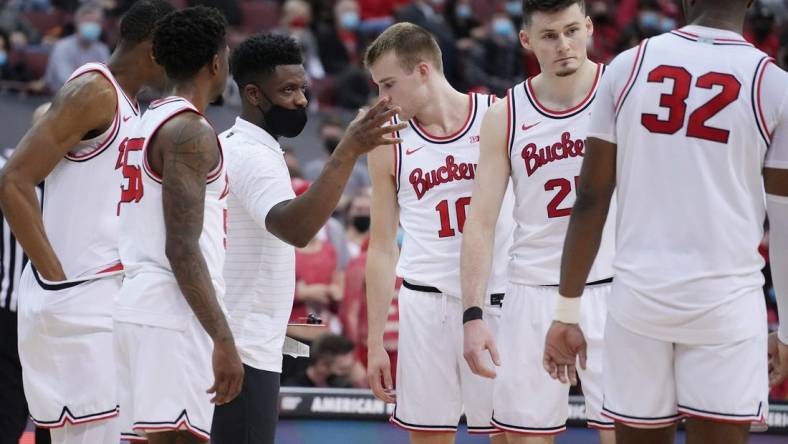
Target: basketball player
{"points": [[425, 185], [173, 214], [537, 137], [66, 296], [682, 128]]}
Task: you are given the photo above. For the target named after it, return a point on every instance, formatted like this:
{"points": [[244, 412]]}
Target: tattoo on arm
{"points": [[187, 158]]}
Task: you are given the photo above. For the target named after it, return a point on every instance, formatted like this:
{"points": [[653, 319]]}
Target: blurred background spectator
{"points": [[331, 364], [331, 131], [84, 46], [358, 222]]}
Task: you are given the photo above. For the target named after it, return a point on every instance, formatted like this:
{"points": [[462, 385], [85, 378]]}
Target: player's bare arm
{"points": [[776, 183], [492, 177], [82, 109], [186, 150], [565, 341], [297, 221], [381, 259]]}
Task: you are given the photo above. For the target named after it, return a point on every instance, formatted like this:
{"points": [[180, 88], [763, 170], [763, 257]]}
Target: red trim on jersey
{"points": [[523, 431], [67, 418], [656, 423], [583, 103], [157, 103], [761, 116], [213, 175], [723, 419], [145, 165], [509, 123], [484, 431], [631, 79], [116, 267], [176, 427], [115, 121], [715, 40], [427, 429], [464, 127], [396, 158]]}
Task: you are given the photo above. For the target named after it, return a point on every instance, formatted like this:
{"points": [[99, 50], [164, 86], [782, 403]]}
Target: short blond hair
{"points": [[411, 43]]}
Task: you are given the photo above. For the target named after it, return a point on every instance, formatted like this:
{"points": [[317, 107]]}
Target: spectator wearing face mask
{"points": [[461, 18], [331, 131], [82, 47], [357, 222], [340, 45], [760, 30], [606, 35], [296, 22], [495, 60], [649, 22]]}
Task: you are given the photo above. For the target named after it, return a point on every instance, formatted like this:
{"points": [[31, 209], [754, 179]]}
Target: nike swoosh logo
{"points": [[527, 127], [126, 118], [408, 152]]}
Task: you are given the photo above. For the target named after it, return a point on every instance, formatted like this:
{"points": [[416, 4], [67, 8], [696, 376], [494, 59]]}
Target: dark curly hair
{"points": [[139, 21], [187, 40], [261, 54], [531, 6]]}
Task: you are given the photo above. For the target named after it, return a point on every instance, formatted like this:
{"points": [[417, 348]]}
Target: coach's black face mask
{"points": [[281, 121]]}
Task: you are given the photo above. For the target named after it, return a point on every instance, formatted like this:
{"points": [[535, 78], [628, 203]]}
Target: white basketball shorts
{"points": [[66, 349], [434, 383], [167, 372], [527, 400], [649, 383]]}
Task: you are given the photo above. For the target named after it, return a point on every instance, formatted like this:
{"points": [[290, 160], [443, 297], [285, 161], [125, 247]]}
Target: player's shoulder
{"points": [[91, 88]]}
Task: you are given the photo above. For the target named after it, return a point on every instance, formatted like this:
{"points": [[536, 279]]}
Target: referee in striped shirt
{"points": [[13, 407]]}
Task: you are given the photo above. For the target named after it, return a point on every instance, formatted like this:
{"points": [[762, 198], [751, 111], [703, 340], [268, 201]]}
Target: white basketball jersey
{"points": [[685, 111], [434, 179], [546, 150], [150, 294], [81, 193]]}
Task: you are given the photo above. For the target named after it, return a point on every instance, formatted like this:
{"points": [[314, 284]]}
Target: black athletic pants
{"points": [[251, 417]]}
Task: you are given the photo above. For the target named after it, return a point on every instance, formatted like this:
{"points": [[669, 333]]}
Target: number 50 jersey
{"points": [[434, 178], [546, 149]]}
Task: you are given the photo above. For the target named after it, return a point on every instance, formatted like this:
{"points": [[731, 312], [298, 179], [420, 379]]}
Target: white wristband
{"points": [[567, 310]]}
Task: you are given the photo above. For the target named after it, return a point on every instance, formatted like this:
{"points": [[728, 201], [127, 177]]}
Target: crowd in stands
{"points": [[43, 41]]}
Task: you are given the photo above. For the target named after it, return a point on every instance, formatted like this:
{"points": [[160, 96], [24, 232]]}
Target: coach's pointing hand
{"points": [[563, 344], [476, 340], [370, 129]]}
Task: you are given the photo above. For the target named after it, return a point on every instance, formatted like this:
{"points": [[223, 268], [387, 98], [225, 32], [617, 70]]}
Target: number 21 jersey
{"points": [[546, 149]]}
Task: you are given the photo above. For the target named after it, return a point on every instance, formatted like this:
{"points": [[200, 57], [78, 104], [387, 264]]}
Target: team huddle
{"points": [[598, 223]]}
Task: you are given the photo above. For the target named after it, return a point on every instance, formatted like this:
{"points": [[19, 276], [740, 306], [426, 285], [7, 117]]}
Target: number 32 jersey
{"points": [[546, 149], [695, 114], [434, 178]]}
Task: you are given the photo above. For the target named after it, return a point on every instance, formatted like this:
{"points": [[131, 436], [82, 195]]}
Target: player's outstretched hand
{"points": [[228, 372], [477, 340], [778, 361], [371, 128], [563, 345], [379, 374]]}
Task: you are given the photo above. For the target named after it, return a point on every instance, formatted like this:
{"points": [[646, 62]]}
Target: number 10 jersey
{"points": [[546, 149], [434, 178]]}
